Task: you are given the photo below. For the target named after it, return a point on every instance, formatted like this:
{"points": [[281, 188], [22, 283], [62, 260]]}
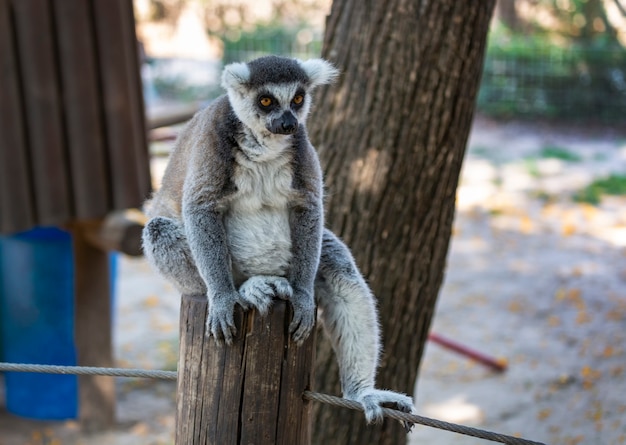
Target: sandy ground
{"points": [[533, 278]]}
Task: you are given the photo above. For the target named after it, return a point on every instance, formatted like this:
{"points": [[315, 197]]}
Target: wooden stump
{"points": [[247, 393]]}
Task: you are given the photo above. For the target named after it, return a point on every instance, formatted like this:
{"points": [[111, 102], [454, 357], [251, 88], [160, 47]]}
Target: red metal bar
{"points": [[498, 365]]}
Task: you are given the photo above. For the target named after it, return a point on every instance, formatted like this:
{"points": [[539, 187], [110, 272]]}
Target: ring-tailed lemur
{"points": [[239, 219]]}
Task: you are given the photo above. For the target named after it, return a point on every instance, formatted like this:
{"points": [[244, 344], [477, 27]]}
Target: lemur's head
{"points": [[273, 94]]}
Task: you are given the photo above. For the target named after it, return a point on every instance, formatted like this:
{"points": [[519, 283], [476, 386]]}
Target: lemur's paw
{"points": [[373, 399], [303, 317], [220, 321], [259, 291]]}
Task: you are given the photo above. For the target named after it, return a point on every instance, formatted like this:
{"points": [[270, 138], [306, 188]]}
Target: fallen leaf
{"points": [[577, 271], [575, 440], [151, 301], [140, 429], [544, 413], [609, 351], [554, 321], [583, 317], [615, 315], [568, 229], [589, 376], [573, 295], [526, 225], [595, 413], [589, 211]]}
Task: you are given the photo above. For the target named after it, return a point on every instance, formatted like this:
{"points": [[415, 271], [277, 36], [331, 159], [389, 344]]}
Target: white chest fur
{"points": [[257, 223]]}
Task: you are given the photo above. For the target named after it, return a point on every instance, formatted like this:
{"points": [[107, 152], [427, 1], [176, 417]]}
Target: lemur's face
{"points": [[281, 107], [274, 108], [273, 94]]}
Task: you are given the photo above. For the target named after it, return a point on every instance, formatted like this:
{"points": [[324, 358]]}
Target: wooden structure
{"points": [[250, 392], [73, 142], [73, 149]]}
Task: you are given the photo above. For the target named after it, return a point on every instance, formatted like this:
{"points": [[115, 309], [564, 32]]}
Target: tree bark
{"points": [[391, 136]]}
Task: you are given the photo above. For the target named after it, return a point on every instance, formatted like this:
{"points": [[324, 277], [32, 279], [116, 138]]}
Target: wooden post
{"points": [[250, 392], [120, 231], [96, 394]]}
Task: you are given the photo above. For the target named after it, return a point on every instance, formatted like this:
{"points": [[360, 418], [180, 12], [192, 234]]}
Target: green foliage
{"points": [[543, 195], [178, 88], [271, 38], [548, 152], [611, 185], [530, 76], [532, 167], [555, 152]]}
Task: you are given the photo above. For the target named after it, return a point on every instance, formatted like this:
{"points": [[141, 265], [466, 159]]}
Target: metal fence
{"points": [[552, 82], [525, 79], [522, 80], [247, 46]]}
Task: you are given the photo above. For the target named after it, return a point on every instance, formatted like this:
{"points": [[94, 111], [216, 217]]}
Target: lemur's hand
{"points": [[220, 321], [372, 399], [303, 315], [259, 291]]}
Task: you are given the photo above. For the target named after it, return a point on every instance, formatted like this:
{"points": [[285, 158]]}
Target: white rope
{"points": [[89, 370]]}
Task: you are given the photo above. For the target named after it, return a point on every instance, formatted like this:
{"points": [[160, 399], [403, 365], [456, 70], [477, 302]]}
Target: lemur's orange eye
{"points": [[265, 101], [298, 99]]}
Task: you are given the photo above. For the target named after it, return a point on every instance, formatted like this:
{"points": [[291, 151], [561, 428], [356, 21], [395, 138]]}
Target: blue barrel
{"points": [[37, 320]]}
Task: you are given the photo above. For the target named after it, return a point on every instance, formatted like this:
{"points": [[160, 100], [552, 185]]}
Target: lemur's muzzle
{"points": [[285, 124]]}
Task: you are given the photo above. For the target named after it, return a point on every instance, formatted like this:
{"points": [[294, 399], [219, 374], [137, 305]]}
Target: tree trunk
{"points": [[507, 13], [391, 135]]}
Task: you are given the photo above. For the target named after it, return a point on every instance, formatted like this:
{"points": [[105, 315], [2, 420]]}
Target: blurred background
{"points": [[559, 59]]}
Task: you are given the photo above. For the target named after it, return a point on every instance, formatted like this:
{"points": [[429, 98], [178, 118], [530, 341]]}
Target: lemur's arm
{"points": [[204, 194], [306, 221]]}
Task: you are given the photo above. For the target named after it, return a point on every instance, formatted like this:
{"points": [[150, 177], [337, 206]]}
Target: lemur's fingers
{"points": [[402, 403], [259, 291], [220, 322], [373, 399], [302, 323], [372, 409], [221, 331], [282, 288], [228, 332]]}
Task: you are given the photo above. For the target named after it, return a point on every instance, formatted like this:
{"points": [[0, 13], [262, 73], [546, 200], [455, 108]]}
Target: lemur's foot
{"points": [[259, 291], [220, 321], [373, 399], [303, 320]]}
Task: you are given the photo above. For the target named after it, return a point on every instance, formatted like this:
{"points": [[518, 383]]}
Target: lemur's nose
{"points": [[286, 124], [290, 127]]}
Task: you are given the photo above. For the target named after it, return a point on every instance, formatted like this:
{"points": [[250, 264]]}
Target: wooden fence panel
{"points": [[43, 112], [85, 133], [72, 139], [15, 187], [133, 71], [121, 102]]}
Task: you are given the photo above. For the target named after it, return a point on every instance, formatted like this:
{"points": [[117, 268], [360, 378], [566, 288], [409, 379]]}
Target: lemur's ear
{"points": [[319, 71], [235, 76]]}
